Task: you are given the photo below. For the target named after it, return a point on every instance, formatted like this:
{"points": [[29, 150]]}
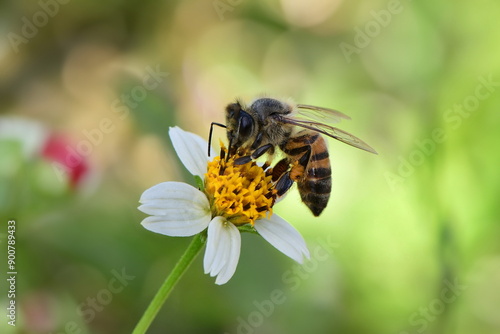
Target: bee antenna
{"points": [[210, 134]]}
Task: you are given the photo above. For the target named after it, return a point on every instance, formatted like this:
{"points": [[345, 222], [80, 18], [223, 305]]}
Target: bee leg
{"points": [[280, 168], [254, 146], [300, 165], [243, 160], [256, 154], [284, 183], [257, 141], [304, 159]]}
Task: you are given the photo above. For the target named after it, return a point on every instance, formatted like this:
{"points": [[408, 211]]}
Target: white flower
{"points": [[179, 209]]}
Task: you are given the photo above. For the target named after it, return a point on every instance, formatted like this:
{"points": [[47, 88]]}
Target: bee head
{"points": [[240, 125]]}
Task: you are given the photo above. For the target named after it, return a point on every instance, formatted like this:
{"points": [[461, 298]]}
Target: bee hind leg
{"points": [[279, 169], [304, 159], [300, 165], [295, 174], [284, 184]]}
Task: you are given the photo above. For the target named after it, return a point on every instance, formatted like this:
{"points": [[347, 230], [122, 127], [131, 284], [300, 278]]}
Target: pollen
{"points": [[240, 193]]}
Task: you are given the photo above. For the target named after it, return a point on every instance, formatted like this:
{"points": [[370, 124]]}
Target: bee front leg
{"points": [[255, 154]]}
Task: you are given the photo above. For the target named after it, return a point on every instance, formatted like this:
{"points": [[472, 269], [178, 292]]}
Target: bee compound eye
{"points": [[245, 126]]}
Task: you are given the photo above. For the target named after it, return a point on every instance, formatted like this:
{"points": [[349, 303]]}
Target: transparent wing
{"points": [[319, 114], [332, 132]]}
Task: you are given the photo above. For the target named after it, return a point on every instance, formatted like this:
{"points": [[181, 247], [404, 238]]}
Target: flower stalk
{"points": [[161, 296]]}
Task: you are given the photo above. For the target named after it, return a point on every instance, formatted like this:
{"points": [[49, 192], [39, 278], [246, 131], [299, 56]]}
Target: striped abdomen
{"points": [[313, 175]]}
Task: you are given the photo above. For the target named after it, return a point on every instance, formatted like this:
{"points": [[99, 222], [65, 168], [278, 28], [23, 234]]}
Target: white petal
{"points": [[178, 209], [169, 225], [223, 250], [191, 149], [215, 257], [283, 236], [163, 197]]}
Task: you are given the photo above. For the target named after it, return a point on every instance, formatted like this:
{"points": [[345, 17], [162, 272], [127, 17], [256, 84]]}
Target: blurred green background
{"points": [[410, 240]]}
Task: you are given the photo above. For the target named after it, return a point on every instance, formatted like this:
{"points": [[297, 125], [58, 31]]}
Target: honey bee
{"points": [[296, 129]]}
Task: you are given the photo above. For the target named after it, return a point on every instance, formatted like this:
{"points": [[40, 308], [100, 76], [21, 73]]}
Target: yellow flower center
{"points": [[240, 193]]}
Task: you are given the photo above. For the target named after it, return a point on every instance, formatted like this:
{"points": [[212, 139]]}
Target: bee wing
{"points": [[323, 115], [332, 132]]}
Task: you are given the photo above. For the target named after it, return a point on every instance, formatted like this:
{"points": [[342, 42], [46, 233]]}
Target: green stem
{"points": [[164, 291]]}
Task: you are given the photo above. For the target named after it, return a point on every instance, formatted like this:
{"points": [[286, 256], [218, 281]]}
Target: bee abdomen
{"points": [[320, 156], [296, 150], [318, 186], [319, 172], [297, 145], [315, 189], [306, 139], [316, 202], [314, 181]]}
